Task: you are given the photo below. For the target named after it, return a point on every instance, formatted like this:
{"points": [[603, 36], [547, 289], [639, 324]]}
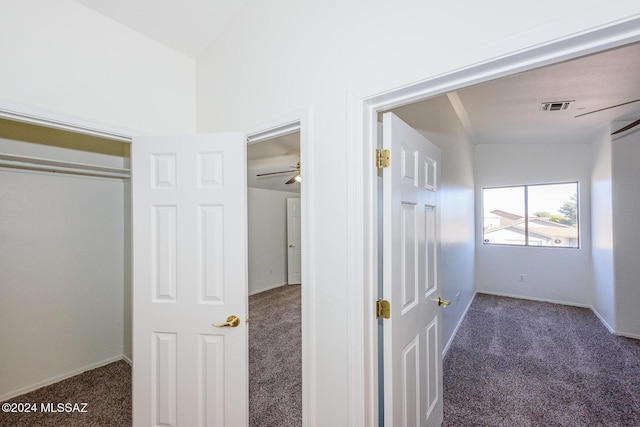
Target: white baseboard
{"points": [[455, 331], [128, 360], [500, 294], [604, 322], [267, 289], [58, 378], [627, 335]]}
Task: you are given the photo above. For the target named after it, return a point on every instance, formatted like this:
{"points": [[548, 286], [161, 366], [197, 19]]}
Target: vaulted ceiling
{"points": [[503, 111], [187, 26]]}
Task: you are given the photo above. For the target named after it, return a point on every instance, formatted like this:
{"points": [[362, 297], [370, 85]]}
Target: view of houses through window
{"points": [[531, 215]]}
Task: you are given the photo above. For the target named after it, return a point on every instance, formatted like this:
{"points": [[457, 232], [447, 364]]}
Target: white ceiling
{"points": [[187, 26], [508, 110]]}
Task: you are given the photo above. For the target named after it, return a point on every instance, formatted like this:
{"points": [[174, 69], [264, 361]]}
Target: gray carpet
{"points": [[275, 358], [275, 385], [525, 363], [105, 390]]}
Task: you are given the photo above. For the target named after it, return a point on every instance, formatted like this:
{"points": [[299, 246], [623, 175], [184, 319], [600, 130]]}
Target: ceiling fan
{"points": [[622, 129], [295, 170]]}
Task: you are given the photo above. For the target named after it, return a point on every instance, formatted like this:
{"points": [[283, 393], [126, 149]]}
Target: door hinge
{"points": [[383, 158], [383, 309]]}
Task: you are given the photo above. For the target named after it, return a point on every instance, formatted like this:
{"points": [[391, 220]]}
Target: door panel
{"points": [[412, 349], [164, 388], [189, 249]]}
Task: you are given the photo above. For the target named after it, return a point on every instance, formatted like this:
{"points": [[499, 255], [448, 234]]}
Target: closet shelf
{"points": [[48, 165]]}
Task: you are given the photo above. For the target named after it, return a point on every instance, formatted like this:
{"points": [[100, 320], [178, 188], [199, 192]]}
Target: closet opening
{"points": [[65, 266]]}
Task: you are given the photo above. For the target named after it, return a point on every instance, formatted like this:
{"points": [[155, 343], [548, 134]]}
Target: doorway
{"points": [[438, 89], [274, 195]]}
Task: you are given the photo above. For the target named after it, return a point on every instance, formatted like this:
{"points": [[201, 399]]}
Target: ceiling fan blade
{"points": [[627, 127], [607, 108], [294, 169], [274, 173]]}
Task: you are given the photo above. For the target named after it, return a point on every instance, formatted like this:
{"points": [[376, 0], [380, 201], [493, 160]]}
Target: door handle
{"points": [[291, 245], [232, 322], [443, 302]]}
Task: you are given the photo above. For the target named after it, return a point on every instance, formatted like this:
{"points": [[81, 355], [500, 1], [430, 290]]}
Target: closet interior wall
{"points": [[65, 260]]}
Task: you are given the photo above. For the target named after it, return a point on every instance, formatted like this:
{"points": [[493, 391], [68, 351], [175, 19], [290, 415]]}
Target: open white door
{"points": [[412, 334], [294, 249], [190, 263]]}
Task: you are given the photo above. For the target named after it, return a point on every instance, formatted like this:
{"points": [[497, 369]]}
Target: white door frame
{"points": [[31, 114], [301, 119], [365, 104]]}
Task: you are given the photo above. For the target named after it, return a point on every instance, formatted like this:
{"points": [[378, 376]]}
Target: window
{"points": [[531, 215]]}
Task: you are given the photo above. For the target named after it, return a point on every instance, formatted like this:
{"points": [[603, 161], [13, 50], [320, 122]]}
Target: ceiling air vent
{"points": [[556, 106]]}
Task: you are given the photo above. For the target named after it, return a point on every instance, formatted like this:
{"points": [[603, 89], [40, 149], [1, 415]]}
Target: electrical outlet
{"points": [[521, 278], [270, 271]]}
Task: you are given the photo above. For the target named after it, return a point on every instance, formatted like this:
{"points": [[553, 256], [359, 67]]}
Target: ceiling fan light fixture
{"points": [[293, 179]]}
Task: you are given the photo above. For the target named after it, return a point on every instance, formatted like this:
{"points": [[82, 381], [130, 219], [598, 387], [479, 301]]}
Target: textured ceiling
{"points": [[507, 110]]}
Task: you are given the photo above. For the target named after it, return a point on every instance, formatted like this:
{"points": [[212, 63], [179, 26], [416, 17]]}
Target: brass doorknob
{"points": [[291, 245], [443, 302], [232, 322]]}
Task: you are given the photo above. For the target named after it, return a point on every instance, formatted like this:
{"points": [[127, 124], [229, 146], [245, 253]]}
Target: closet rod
{"points": [[47, 165]]}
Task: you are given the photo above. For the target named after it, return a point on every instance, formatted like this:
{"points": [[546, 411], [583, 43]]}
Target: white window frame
{"points": [[525, 187]]}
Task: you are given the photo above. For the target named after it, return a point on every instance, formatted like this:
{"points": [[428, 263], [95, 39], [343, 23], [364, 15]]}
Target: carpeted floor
{"points": [[275, 385], [513, 363], [526, 363], [105, 390], [275, 358]]}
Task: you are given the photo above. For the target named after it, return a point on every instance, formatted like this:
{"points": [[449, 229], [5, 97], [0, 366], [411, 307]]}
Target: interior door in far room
{"points": [[294, 247], [412, 335], [189, 258]]}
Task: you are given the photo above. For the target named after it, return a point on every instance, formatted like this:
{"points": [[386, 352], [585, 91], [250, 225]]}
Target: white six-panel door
{"points": [[294, 242], [189, 262], [412, 347]]}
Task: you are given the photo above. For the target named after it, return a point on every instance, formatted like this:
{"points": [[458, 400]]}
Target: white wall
{"points": [[556, 274], [61, 274], [280, 56], [437, 120], [603, 298], [267, 219], [65, 61], [626, 232], [63, 57]]}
